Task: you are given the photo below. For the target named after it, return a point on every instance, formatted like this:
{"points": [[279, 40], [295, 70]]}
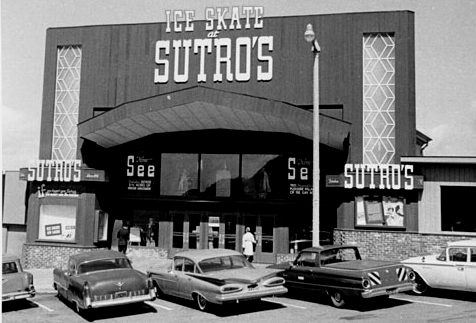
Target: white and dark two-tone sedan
{"points": [[215, 276], [454, 268]]}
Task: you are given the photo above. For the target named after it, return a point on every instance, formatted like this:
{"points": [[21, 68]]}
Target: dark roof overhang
{"points": [[199, 108]]}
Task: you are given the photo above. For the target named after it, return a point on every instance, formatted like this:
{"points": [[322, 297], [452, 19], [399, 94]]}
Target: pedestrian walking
{"points": [[248, 244]]}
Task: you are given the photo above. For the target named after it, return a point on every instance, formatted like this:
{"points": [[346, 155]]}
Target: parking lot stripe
{"points": [[42, 306], [159, 306], [421, 302], [285, 304]]}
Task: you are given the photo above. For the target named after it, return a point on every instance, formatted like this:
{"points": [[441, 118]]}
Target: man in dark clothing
{"points": [[123, 238]]}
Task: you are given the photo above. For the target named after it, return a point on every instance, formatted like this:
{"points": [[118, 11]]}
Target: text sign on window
{"points": [[140, 173], [300, 175]]}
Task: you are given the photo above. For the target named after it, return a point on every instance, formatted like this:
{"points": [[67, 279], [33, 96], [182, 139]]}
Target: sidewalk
{"points": [[43, 278]]}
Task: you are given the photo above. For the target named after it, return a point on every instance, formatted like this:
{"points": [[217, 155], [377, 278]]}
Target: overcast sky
{"points": [[445, 59]]}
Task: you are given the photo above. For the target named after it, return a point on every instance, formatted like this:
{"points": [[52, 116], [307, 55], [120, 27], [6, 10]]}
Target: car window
{"points": [[458, 254], [178, 264], [306, 259], [189, 266], [9, 268], [103, 264], [224, 263], [473, 254], [346, 254]]}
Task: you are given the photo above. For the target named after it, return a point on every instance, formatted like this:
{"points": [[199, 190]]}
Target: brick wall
{"points": [[48, 256], [395, 245]]}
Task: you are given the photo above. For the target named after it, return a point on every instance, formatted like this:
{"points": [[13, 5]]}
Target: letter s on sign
{"points": [[292, 170], [349, 179]]}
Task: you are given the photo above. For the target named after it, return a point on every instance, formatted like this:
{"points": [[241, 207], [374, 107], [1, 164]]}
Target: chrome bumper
{"points": [[18, 295], [243, 296], [387, 290], [120, 301]]}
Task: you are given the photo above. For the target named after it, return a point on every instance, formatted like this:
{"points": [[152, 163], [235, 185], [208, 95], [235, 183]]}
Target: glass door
{"points": [[230, 233], [213, 232], [194, 231]]}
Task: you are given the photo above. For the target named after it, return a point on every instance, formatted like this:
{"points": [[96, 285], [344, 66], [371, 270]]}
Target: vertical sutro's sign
{"points": [[300, 175], [232, 59], [140, 173]]}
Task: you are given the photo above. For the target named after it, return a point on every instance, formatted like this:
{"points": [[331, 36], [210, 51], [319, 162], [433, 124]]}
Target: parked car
{"points": [[215, 276], [342, 274], [16, 283], [101, 278], [454, 268]]}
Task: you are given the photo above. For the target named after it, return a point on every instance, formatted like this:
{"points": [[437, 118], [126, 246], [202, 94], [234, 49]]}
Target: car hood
{"points": [[362, 264], [117, 279]]}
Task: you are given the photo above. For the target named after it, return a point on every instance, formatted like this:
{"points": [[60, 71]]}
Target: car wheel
{"points": [[337, 298], [201, 302], [419, 287]]}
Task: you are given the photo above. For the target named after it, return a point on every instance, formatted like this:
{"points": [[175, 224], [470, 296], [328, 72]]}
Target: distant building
{"points": [[14, 193]]}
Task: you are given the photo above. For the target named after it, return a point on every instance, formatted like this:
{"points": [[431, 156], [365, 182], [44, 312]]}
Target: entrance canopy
{"points": [[200, 108]]}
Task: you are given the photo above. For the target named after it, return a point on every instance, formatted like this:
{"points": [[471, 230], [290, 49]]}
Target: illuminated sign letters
{"points": [[389, 176], [54, 170]]}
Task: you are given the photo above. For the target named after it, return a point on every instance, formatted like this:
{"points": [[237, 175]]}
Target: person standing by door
{"points": [[248, 244], [123, 238]]}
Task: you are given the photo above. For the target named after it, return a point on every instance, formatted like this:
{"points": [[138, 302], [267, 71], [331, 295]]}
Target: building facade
{"points": [[190, 131]]}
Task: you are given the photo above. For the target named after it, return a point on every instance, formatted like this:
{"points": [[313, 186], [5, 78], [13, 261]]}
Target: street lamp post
{"points": [[310, 37]]}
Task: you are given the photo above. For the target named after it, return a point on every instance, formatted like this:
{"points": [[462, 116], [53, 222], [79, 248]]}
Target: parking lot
{"points": [[437, 306]]}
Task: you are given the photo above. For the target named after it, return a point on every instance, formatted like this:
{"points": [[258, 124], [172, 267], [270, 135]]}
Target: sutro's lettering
{"points": [[390, 176], [231, 59], [55, 170]]}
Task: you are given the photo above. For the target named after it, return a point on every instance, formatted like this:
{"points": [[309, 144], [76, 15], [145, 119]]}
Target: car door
{"points": [[451, 274], [170, 282], [471, 270], [184, 280], [300, 275]]}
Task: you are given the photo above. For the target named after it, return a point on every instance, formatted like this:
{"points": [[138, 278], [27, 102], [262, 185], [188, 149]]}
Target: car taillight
{"points": [[275, 281], [231, 288], [365, 283], [86, 290], [411, 275]]}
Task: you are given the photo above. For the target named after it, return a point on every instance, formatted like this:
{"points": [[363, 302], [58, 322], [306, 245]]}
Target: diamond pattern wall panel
{"points": [[65, 130], [378, 98]]}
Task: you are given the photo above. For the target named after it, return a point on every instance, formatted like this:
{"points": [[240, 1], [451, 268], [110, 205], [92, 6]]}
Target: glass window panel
{"points": [[179, 174], [218, 174], [68, 72], [378, 98], [257, 176], [57, 222], [230, 232]]}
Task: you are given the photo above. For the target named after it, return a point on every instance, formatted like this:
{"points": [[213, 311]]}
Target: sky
{"points": [[445, 54]]}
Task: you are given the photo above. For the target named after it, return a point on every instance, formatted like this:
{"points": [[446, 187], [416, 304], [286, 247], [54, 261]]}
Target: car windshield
{"points": [[103, 264], [224, 263], [9, 268]]}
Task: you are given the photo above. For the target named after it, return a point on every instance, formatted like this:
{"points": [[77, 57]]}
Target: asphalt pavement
{"points": [[43, 277]]}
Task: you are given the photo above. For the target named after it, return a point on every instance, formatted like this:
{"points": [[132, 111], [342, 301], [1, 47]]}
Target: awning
{"points": [[199, 108]]}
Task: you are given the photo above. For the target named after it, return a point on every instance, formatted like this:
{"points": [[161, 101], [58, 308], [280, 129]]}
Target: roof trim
{"points": [[439, 160]]}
